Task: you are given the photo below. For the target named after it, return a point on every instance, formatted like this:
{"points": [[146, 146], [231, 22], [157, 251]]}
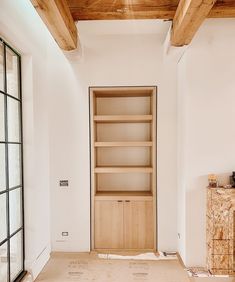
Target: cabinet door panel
{"points": [[138, 225], [108, 225]]}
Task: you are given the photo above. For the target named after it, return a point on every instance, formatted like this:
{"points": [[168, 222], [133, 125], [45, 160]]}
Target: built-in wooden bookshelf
{"points": [[123, 168], [123, 118], [124, 144]]}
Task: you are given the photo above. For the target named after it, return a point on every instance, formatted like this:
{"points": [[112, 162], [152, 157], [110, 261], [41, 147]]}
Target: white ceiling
{"points": [[118, 27]]}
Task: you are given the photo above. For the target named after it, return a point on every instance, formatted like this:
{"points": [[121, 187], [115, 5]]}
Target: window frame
{"points": [[6, 98]]}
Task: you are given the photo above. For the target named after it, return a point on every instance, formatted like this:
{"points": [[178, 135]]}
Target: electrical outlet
{"points": [[64, 234], [64, 183], [179, 235]]}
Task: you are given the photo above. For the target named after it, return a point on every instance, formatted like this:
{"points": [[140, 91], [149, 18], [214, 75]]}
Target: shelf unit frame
{"points": [[123, 91]]}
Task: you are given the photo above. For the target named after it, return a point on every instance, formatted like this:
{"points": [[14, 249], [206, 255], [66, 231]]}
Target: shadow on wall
{"points": [[196, 221]]}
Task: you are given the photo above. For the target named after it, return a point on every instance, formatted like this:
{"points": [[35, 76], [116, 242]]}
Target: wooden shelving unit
{"points": [[123, 168], [124, 144], [123, 118], [123, 193]]}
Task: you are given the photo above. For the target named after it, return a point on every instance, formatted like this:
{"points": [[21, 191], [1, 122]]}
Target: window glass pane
{"points": [[2, 124], [2, 168], [12, 62], [1, 69], [16, 257], [13, 120], [14, 165], [3, 222], [15, 210], [3, 264]]}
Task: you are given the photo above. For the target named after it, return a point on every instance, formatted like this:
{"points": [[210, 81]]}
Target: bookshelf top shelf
{"points": [[123, 118], [125, 92]]}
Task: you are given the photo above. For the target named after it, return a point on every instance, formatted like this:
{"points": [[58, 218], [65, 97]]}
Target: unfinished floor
{"points": [[67, 267]]}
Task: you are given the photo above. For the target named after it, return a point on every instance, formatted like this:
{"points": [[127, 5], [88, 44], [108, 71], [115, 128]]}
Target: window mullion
{"points": [[6, 160]]}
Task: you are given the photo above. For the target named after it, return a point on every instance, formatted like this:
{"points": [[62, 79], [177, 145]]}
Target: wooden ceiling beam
{"points": [[223, 10], [139, 9], [189, 16], [124, 14], [122, 9], [58, 19]]}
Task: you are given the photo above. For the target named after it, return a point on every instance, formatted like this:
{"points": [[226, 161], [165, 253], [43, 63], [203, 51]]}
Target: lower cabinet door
{"points": [[138, 225], [109, 224]]}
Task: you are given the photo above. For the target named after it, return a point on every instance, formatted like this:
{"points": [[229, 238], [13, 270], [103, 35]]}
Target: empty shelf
{"points": [[123, 195], [123, 118], [123, 169], [124, 144]]}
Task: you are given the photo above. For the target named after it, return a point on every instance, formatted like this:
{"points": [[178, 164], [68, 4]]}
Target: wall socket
{"points": [[179, 235], [64, 183], [64, 234]]}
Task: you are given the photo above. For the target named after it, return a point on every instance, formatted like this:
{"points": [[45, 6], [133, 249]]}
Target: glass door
{"points": [[11, 166]]}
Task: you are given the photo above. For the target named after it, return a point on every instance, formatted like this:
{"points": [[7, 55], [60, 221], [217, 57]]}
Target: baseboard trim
{"points": [[180, 260], [35, 267]]}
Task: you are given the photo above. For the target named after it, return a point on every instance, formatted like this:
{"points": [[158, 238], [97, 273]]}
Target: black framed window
{"points": [[11, 166]]}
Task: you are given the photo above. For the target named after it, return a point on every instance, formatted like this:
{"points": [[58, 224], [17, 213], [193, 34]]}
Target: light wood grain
{"points": [[124, 144], [108, 224], [123, 170], [189, 16], [154, 162], [58, 19], [117, 182], [126, 91], [123, 118], [124, 195], [123, 132], [92, 164], [138, 225], [123, 182], [117, 156]]}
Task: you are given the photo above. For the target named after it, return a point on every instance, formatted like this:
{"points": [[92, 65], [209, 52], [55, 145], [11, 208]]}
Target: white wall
{"points": [[21, 27], [206, 134], [56, 131], [116, 53]]}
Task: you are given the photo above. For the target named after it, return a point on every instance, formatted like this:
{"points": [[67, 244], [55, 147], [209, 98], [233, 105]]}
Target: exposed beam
{"points": [[189, 16], [223, 9], [122, 9], [122, 14], [58, 19], [139, 9]]}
